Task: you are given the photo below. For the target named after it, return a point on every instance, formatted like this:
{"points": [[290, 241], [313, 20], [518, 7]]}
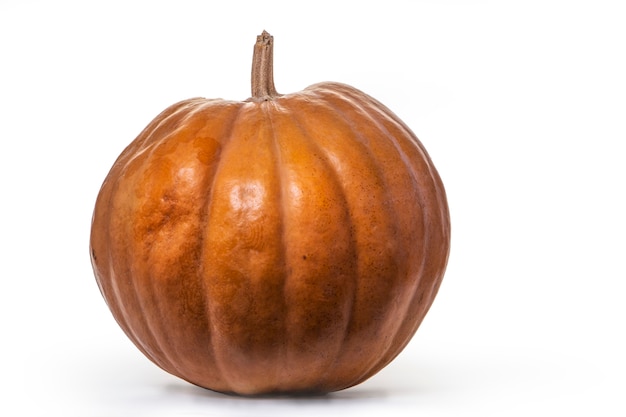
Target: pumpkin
{"points": [[285, 244]]}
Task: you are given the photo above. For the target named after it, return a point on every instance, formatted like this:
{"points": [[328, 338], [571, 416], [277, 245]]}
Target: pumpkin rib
{"points": [[151, 347], [362, 145], [355, 102], [254, 277], [228, 133], [158, 333], [106, 280], [159, 139], [323, 153], [177, 338], [393, 349], [102, 215], [278, 167], [391, 352], [380, 110], [208, 199], [437, 188], [310, 141], [152, 142], [116, 294], [213, 272]]}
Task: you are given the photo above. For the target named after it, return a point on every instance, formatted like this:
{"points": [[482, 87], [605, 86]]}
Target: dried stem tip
{"points": [[263, 68]]}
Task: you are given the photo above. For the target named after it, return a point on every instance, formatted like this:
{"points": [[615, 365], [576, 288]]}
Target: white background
{"points": [[521, 104]]}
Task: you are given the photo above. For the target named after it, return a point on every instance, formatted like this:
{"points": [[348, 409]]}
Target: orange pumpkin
{"points": [[283, 244]]}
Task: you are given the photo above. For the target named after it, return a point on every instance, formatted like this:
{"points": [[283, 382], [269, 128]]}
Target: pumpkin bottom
{"points": [[295, 386], [274, 393], [267, 392]]}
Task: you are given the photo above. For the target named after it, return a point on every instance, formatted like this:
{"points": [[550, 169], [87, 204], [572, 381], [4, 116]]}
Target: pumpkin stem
{"points": [[263, 68]]}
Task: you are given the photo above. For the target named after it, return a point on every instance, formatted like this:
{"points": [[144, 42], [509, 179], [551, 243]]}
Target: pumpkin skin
{"points": [[283, 244]]}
